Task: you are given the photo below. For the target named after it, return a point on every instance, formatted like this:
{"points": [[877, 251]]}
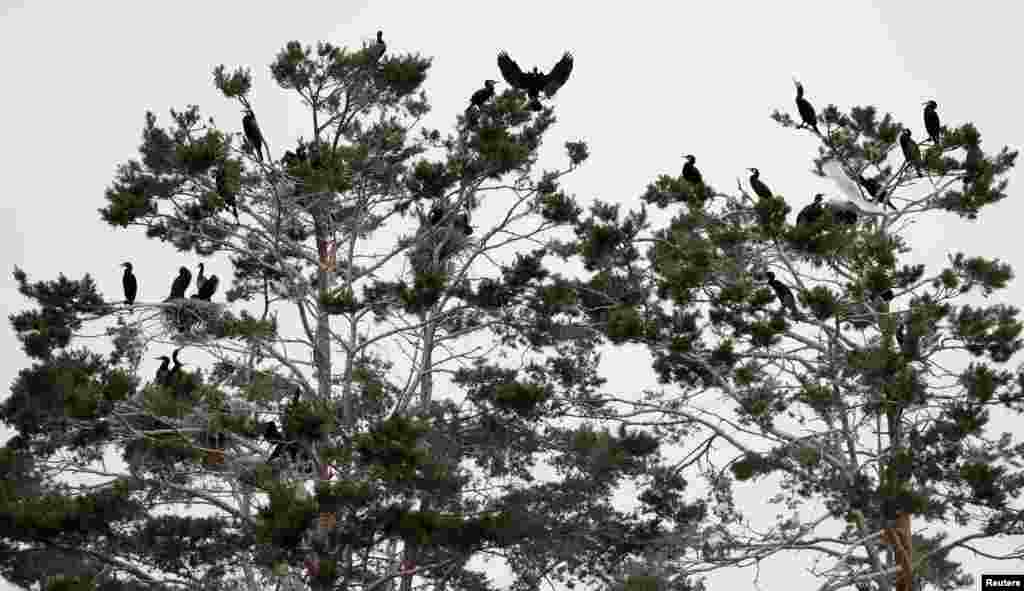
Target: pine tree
{"points": [[853, 398], [353, 247]]}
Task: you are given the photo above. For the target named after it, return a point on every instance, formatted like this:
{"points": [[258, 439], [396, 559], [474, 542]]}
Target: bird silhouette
{"points": [[253, 133], [208, 288], [483, 95], [911, 152], [784, 294], [180, 284], [690, 172], [810, 214], [931, 121], [758, 185], [129, 283], [807, 114], [163, 371], [874, 189], [377, 49], [536, 81], [478, 99]]}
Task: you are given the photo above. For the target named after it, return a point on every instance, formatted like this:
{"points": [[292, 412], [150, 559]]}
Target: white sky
{"points": [[652, 81]]}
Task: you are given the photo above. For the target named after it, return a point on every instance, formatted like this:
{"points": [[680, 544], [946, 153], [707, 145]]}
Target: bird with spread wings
{"points": [[536, 81]]}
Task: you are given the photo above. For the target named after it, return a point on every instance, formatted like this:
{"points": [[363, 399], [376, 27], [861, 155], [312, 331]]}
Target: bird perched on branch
{"points": [[129, 283], [784, 294], [163, 371], [690, 172], [911, 153], [483, 95], [536, 81], [377, 49], [807, 114], [180, 284], [172, 376], [253, 133], [874, 189], [931, 121], [810, 214], [760, 189], [478, 99], [208, 288]]}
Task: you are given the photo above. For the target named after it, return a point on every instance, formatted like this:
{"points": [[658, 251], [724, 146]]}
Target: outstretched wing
{"points": [[509, 70], [558, 75]]}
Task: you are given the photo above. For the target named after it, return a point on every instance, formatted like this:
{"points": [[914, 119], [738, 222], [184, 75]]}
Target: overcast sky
{"points": [[651, 81]]}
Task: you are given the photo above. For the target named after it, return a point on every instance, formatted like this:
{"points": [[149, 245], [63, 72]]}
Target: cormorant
{"points": [[483, 95], [207, 289], [376, 51], [252, 133], [536, 81], [844, 213], [758, 185], [200, 278], [784, 294], [807, 114], [874, 189], [690, 172], [972, 164], [129, 283], [931, 121], [223, 191], [180, 284], [172, 376], [164, 370], [812, 212], [911, 153], [477, 100]]}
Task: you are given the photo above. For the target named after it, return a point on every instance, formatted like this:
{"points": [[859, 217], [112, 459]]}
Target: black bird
{"points": [[478, 99], [164, 370], [690, 172], [784, 294], [180, 284], [376, 51], [874, 189], [172, 376], [536, 81], [812, 212], [758, 185], [844, 213], [252, 133], [807, 114], [224, 191], [207, 289], [931, 121], [911, 153], [200, 278], [972, 164], [129, 283], [483, 95]]}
